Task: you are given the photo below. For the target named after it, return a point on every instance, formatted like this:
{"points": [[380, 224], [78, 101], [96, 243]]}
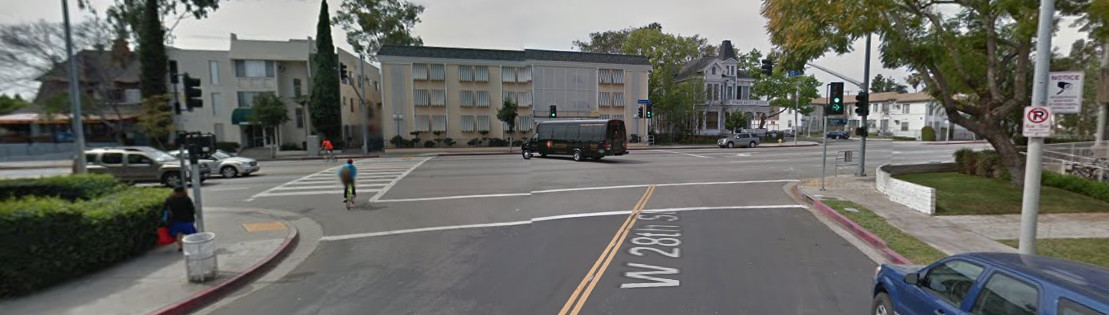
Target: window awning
{"points": [[241, 116]]}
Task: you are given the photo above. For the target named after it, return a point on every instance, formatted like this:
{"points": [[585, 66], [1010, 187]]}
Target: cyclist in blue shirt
{"points": [[347, 174]]}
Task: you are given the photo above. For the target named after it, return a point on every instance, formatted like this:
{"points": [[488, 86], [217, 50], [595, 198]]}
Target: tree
{"points": [[780, 90], [156, 122], [372, 23], [915, 80], [507, 114], [883, 84], [269, 112], [324, 106], [29, 50], [736, 121], [10, 104], [674, 101], [609, 42], [975, 62], [152, 51]]}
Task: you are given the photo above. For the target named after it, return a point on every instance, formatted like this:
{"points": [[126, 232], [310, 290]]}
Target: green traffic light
{"points": [[835, 100]]}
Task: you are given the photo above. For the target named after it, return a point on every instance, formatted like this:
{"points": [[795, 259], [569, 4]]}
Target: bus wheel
{"points": [[577, 156], [598, 158], [526, 154]]}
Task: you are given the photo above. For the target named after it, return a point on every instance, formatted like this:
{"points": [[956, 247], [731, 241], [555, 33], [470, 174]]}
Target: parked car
{"points": [[992, 283], [228, 165], [137, 166], [838, 135], [775, 134], [749, 140]]}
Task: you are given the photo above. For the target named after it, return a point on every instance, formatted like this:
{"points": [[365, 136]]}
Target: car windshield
{"points": [[221, 155], [160, 156]]}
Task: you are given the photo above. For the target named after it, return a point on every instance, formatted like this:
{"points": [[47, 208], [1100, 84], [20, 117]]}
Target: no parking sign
{"points": [[1037, 121]]}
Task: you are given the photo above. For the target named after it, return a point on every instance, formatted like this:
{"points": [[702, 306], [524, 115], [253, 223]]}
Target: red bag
{"points": [[164, 238]]}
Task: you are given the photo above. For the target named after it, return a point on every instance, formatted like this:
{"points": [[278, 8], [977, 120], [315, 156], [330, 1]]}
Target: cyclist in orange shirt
{"points": [[326, 145]]}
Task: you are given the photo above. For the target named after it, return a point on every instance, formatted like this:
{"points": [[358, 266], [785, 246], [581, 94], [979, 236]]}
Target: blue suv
{"points": [[992, 283]]}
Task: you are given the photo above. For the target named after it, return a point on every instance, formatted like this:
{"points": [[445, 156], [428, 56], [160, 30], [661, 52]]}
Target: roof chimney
{"points": [[121, 52]]}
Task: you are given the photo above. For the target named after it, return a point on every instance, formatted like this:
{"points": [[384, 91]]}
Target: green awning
{"points": [[241, 116]]}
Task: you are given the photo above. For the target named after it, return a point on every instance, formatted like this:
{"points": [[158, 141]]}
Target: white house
{"points": [[899, 115], [727, 90]]}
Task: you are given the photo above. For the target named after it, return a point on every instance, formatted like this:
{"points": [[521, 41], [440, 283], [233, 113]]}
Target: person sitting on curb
{"points": [[182, 215]]}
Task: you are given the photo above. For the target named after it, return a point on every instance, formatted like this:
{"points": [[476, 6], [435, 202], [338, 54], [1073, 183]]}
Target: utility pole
{"points": [[1030, 206], [862, 120], [796, 113], [74, 95], [365, 106], [1102, 98]]}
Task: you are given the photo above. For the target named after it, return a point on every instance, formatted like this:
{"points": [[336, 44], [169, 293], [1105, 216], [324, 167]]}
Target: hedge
{"points": [[986, 163], [927, 134], [85, 186], [50, 240], [1094, 189]]}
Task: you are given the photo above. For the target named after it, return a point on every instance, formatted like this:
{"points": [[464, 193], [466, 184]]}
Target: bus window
{"points": [[559, 132], [572, 132], [545, 131], [616, 130]]}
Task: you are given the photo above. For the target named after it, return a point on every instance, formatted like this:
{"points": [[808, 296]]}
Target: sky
{"points": [[498, 24]]}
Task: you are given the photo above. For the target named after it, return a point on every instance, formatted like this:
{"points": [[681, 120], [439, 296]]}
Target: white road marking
{"points": [[397, 179], [683, 153], [541, 219], [378, 174], [743, 154], [584, 189]]}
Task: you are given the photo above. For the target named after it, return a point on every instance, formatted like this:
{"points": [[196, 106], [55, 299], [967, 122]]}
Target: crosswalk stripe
{"points": [[379, 174], [316, 192], [337, 187]]}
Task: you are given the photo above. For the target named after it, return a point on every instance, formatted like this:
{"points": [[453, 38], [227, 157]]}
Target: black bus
{"points": [[580, 138]]}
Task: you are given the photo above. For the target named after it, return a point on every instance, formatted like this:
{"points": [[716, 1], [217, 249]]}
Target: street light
{"points": [[397, 118]]}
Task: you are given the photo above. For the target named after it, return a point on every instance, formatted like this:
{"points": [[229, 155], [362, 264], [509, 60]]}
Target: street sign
{"points": [[794, 73], [644, 101], [1037, 121], [1065, 92], [837, 121]]}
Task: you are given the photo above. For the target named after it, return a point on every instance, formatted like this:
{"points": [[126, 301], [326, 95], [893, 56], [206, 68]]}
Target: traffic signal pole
{"points": [[74, 96], [862, 119]]}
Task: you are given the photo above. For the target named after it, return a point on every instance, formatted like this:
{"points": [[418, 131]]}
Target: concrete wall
{"points": [[917, 197]]}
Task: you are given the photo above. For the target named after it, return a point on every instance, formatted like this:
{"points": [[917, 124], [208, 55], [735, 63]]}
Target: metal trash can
{"points": [[200, 256]]}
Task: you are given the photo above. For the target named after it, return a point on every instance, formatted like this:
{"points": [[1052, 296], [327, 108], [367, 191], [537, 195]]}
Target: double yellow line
{"points": [[602, 262]]}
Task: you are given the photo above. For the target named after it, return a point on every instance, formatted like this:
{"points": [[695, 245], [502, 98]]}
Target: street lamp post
{"points": [[74, 97], [397, 118]]}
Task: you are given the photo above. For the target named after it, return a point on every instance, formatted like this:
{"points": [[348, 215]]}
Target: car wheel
{"points": [[731, 145], [171, 179], [577, 156], [882, 305], [752, 144], [228, 172], [542, 155], [598, 158], [525, 154]]}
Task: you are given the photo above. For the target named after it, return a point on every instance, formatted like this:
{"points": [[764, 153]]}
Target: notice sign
{"points": [[1064, 92], [1037, 121]]}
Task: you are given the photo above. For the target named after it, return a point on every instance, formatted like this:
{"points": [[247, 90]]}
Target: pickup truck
{"points": [[991, 283]]}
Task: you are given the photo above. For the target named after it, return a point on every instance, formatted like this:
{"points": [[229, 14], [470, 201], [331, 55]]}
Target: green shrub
{"points": [[429, 144], [73, 187], [1088, 187], [927, 134], [964, 161], [49, 240], [901, 138], [230, 147], [449, 142], [987, 164]]}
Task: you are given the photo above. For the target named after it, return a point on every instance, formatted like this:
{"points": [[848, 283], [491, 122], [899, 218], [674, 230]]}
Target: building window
{"points": [[465, 73], [421, 97], [438, 98], [439, 123], [905, 109], [436, 72], [351, 104], [300, 118], [512, 96], [604, 99], [213, 72], [508, 74], [525, 99], [483, 123], [713, 69], [254, 68], [296, 88], [481, 73], [246, 99], [466, 98], [905, 126], [423, 123], [217, 103], [419, 71], [467, 123], [132, 96], [524, 75], [604, 116], [483, 98], [618, 99], [525, 123], [745, 92], [620, 117]]}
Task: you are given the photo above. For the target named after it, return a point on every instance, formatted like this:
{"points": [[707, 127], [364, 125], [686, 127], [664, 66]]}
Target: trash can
{"points": [[200, 256]]}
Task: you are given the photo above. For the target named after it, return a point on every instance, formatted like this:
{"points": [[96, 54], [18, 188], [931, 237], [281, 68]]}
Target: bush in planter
{"points": [[987, 164], [1094, 189], [50, 240], [72, 187], [230, 147], [398, 141], [429, 144], [965, 161], [927, 134], [448, 142], [474, 142]]}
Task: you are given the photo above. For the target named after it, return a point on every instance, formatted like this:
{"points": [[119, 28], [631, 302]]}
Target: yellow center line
{"points": [[606, 257]]}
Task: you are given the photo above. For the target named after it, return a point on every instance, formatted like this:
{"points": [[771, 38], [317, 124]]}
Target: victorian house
{"points": [[727, 90]]}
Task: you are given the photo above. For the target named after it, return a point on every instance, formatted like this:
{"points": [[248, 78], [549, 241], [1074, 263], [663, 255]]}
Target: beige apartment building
{"points": [[231, 79], [457, 91]]}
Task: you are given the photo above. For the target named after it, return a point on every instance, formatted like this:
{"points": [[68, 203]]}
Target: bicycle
{"points": [[349, 193]]}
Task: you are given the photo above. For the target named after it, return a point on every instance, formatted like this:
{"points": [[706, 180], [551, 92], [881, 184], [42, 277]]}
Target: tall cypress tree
{"points": [[152, 51], [324, 106]]}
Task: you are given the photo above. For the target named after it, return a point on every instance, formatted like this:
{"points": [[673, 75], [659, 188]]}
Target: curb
{"points": [[956, 142], [876, 242], [217, 292]]}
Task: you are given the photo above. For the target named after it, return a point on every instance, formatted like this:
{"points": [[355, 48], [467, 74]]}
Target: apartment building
{"points": [[231, 79], [457, 91], [900, 115], [727, 90]]}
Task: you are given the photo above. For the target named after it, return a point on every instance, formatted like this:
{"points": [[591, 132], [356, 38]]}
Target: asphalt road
{"points": [[653, 232]]}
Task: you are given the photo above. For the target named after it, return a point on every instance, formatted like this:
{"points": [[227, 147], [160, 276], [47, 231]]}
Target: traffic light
{"points": [[554, 111], [835, 107], [649, 111], [343, 72], [193, 96], [862, 104], [767, 66], [173, 71], [640, 112]]}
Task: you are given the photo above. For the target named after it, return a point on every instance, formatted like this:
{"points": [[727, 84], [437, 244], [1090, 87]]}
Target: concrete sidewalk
{"points": [[41, 164], [948, 236], [249, 243]]}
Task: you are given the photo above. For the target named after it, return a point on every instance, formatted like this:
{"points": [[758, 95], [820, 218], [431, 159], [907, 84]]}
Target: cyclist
{"points": [[347, 173], [327, 146]]}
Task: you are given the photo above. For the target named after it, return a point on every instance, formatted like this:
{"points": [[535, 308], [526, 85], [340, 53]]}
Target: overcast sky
{"points": [[498, 24]]}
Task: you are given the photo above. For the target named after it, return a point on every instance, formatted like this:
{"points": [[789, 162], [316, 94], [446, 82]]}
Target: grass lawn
{"points": [[1088, 250], [958, 194], [908, 246]]}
